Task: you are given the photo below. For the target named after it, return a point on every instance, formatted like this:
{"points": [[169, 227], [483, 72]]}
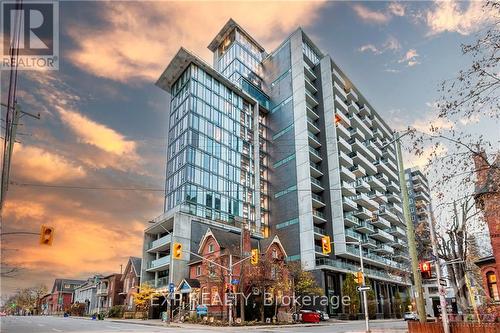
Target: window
{"points": [[211, 269], [491, 280], [198, 270], [275, 254], [273, 272], [211, 248]]}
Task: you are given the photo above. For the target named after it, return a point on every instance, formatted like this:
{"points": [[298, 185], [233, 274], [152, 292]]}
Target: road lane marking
{"points": [[55, 329]]}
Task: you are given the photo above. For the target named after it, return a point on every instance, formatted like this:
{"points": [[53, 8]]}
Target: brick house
{"points": [[110, 292], [60, 297], [487, 197], [131, 280], [213, 282]]}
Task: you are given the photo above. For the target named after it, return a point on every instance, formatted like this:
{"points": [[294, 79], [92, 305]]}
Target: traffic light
{"points": [[426, 269], [254, 257], [177, 250], [46, 235], [326, 244], [358, 278]]}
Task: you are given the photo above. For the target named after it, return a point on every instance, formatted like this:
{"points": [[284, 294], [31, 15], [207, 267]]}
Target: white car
{"points": [[410, 316]]}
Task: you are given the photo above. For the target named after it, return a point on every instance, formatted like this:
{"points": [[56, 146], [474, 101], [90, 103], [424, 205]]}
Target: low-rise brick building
{"points": [[110, 292], [60, 297], [131, 280], [487, 196]]}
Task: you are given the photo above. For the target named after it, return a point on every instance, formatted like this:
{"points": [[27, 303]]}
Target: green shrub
{"points": [[116, 311]]}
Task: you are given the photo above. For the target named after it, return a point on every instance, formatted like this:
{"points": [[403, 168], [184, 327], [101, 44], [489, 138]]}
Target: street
{"points": [[48, 324]]}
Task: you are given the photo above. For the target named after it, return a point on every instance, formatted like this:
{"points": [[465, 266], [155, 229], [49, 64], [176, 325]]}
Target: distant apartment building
{"points": [[281, 142]]}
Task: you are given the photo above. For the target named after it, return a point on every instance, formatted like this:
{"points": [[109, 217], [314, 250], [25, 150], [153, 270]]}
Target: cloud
{"points": [[397, 9], [96, 134], [410, 58], [391, 44], [135, 41], [454, 16], [371, 16], [44, 166]]}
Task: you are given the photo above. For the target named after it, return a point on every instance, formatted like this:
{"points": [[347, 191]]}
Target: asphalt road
{"points": [[43, 324]]}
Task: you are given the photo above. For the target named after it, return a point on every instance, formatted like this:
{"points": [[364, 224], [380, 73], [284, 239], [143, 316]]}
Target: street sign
{"points": [[235, 281], [171, 288], [363, 288], [201, 310], [442, 282]]}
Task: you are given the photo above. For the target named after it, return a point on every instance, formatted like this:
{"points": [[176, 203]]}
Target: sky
{"points": [[103, 121]]}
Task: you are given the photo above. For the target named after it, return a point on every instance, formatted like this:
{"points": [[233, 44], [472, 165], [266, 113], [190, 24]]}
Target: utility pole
{"points": [[365, 297], [231, 289], [410, 232], [442, 298]]}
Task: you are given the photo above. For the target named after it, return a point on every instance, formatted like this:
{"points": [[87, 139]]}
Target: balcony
{"points": [[310, 86], [339, 91], [393, 186], [383, 236], [353, 107], [380, 222], [349, 205], [102, 292], [362, 186], [350, 220], [398, 232], [311, 100], [367, 121], [343, 133], [375, 183], [346, 174], [352, 95], [396, 209], [344, 145], [315, 170], [382, 178], [317, 201], [345, 160], [318, 217], [372, 146], [337, 77], [314, 155], [313, 140], [356, 133], [363, 200], [363, 213], [383, 248], [360, 125], [352, 236], [311, 113], [158, 264], [365, 110], [312, 126], [399, 243], [341, 104], [365, 228], [359, 159], [378, 197], [344, 119], [316, 185], [359, 171], [369, 243], [160, 244], [309, 73], [320, 232], [348, 189], [360, 147], [392, 197]]}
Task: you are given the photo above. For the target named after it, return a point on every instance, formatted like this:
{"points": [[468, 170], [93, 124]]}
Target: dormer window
{"points": [[275, 254], [211, 248]]}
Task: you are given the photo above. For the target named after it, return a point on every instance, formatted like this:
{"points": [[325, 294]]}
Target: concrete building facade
{"points": [[285, 144]]}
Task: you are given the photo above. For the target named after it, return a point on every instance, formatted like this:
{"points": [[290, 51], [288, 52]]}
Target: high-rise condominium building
{"points": [[283, 143]]}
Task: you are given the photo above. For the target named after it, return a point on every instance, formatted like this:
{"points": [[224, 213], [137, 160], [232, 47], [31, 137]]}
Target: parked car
{"points": [[323, 316], [410, 316], [309, 316]]}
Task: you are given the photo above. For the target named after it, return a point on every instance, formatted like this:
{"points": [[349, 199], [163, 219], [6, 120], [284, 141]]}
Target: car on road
{"points": [[410, 316], [309, 316], [323, 316]]}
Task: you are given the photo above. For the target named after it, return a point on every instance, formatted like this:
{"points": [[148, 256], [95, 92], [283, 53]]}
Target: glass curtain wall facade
{"points": [[210, 165]]}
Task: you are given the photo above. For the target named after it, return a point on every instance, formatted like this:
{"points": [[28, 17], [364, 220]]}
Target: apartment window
{"points": [[491, 281], [210, 248]]}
